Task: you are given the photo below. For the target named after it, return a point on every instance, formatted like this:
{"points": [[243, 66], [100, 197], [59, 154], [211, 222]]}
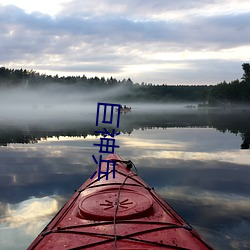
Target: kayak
{"points": [[117, 210]]}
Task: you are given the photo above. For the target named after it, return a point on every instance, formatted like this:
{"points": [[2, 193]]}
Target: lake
{"points": [[198, 160]]}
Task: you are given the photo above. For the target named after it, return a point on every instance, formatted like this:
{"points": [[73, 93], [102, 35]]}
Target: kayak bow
{"points": [[120, 213]]}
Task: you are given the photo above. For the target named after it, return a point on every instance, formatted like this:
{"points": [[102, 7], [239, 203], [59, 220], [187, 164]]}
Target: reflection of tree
{"points": [[16, 137], [237, 122], [246, 141], [19, 134]]}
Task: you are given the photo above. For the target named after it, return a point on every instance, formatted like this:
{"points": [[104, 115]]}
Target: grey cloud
{"points": [[220, 31], [134, 8]]}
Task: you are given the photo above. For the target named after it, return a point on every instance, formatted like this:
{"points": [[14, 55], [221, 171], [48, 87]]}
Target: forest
{"points": [[224, 93]]}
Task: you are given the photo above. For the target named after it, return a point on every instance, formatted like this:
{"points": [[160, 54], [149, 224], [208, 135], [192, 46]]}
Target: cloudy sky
{"points": [[157, 41]]}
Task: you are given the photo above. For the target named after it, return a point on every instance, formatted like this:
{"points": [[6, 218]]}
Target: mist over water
{"points": [[45, 103], [60, 102], [58, 109]]}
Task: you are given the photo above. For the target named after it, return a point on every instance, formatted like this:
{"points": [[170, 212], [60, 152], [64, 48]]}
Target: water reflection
{"points": [[233, 121], [20, 222], [193, 161], [29, 211]]}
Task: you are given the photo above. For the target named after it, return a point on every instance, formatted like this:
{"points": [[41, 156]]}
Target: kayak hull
{"points": [[118, 213]]}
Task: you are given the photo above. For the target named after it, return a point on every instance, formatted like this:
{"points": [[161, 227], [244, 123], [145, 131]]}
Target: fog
{"points": [[48, 103], [61, 102]]}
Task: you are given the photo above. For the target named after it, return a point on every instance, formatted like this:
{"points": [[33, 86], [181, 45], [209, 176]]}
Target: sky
{"points": [[152, 41]]}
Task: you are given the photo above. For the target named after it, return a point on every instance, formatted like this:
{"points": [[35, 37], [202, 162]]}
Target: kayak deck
{"points": [[120, 213]]}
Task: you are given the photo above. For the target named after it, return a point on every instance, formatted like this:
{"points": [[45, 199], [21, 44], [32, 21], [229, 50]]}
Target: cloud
{"points": [[115, 30], [144, 10]]}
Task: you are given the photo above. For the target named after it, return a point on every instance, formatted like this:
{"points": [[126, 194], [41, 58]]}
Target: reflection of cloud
{"points": [[221, 218], [236, 157], [200, 144], [2, 209], [53, 156], [151, 144], [29, 213], [228, 203], [25, 220], [229, 240], [185, 139], [145, 143]]}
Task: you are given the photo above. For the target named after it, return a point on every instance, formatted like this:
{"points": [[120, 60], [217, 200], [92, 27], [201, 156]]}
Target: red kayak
{"points": [[117, 213]]}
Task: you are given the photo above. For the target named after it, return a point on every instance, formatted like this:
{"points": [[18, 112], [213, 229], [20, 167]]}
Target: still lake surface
{"points": [[194, 158]]}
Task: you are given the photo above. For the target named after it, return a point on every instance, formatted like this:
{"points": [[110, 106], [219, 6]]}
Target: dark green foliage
{"points": [[246, 69], [234, 92]]}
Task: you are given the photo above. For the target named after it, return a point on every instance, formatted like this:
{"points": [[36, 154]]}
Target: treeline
{"points": [[234, 92], [237, 91]]}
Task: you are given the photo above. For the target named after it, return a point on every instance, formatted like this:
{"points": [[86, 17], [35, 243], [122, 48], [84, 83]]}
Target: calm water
{"points": [[193, 158]]}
